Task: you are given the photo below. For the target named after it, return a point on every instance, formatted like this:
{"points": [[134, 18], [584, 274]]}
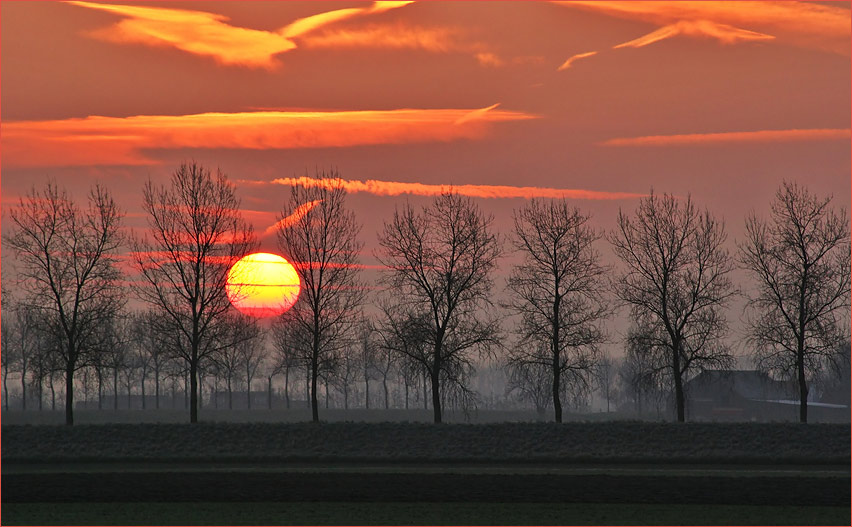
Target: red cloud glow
{"points": [[120, 140], [395, 188], [209, 34], [761, 136]]}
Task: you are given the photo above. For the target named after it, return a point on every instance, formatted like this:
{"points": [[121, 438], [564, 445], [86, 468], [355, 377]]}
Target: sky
{"points": [[597, 102]]}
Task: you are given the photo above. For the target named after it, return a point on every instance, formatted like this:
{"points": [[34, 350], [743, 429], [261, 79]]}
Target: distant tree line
{"points": [[66, 330]]}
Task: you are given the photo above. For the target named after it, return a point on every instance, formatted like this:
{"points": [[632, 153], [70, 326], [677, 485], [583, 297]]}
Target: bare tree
{"points": [[155, 347], [237, 352], [196, 234], [67, 259], [345, 374], [644, 368], [26, 343], [441, 261], [532, 382], [800, 309], [604, 373], [9, 355], [558, 290], [368, 357], [324, 247], [676, 279], [287, 352]]}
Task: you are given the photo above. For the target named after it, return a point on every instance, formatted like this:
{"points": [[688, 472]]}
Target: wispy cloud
{"points": [[396, 36], [290, 220], [804, 24], [396, 188], [760, 136], [209, 34], [568, 63], [697, 28], [122, 140]]}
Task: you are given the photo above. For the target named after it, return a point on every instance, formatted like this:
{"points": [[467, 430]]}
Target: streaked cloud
{"points": [[123, 140], [209, 34], [568, 63], [397, 36], [396, 188], [290, 220], [804, 24], [761, 136], [697, 28]]}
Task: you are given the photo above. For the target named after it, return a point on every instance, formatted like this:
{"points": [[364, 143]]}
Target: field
{"points": [[414, 473]]}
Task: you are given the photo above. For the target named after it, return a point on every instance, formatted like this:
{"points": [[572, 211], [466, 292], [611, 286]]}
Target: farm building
{"points": [[751, 395]]}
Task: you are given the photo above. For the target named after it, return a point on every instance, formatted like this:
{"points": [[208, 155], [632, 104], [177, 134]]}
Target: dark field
{"points": [[367, 513], [610, 442], [409, 473]]}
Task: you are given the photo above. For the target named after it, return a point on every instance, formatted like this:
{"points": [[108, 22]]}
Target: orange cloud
{"points": [[805, 24], [401, 36], [761, 136], [395, 188], [297, 215], [120, 140], [209, 34], [697, 28], [567, 64], [396, 36]]}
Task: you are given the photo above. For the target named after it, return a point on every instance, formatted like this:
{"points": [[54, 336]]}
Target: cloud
{"points": [[397, 36], [396, 188], [697, 28], [761, 136], [803, 24], [209, 34], [297, 215], [567, 64], [403, 36], [121, 140]]}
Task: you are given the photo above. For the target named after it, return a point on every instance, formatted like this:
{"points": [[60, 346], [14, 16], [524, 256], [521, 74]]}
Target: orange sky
{"points": [[597, 101]]}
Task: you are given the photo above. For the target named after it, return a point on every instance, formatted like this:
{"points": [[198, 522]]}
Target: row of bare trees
{"points": [[438, 315]]}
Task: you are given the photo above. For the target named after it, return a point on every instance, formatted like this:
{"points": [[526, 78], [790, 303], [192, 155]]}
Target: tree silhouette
{"points": [[67, 257], [441, 261], [676, 282], [558, 290], [196, 234], [800, 261], [324, 247]]}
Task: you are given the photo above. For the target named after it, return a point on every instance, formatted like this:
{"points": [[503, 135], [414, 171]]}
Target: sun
{"points": [[262, 285]]}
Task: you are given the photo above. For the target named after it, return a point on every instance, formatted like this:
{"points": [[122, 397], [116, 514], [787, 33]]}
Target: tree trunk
{"points": [[230, 395], [144, 376], [314, 408], [387, 396], [425, 386], [406, 393], [557, 402], [24, 388], [269, 390], [366, 392], [193, 382], [157, 387], [69, 394], [6, 388], [52, 394], [803, 387], [287, 386], [129, 394], [40, 388], [678, 384], [436, 393], [114, 389]]}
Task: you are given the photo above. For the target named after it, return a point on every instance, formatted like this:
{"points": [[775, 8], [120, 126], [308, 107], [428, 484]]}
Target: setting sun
{"points": [[262, 285]]}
